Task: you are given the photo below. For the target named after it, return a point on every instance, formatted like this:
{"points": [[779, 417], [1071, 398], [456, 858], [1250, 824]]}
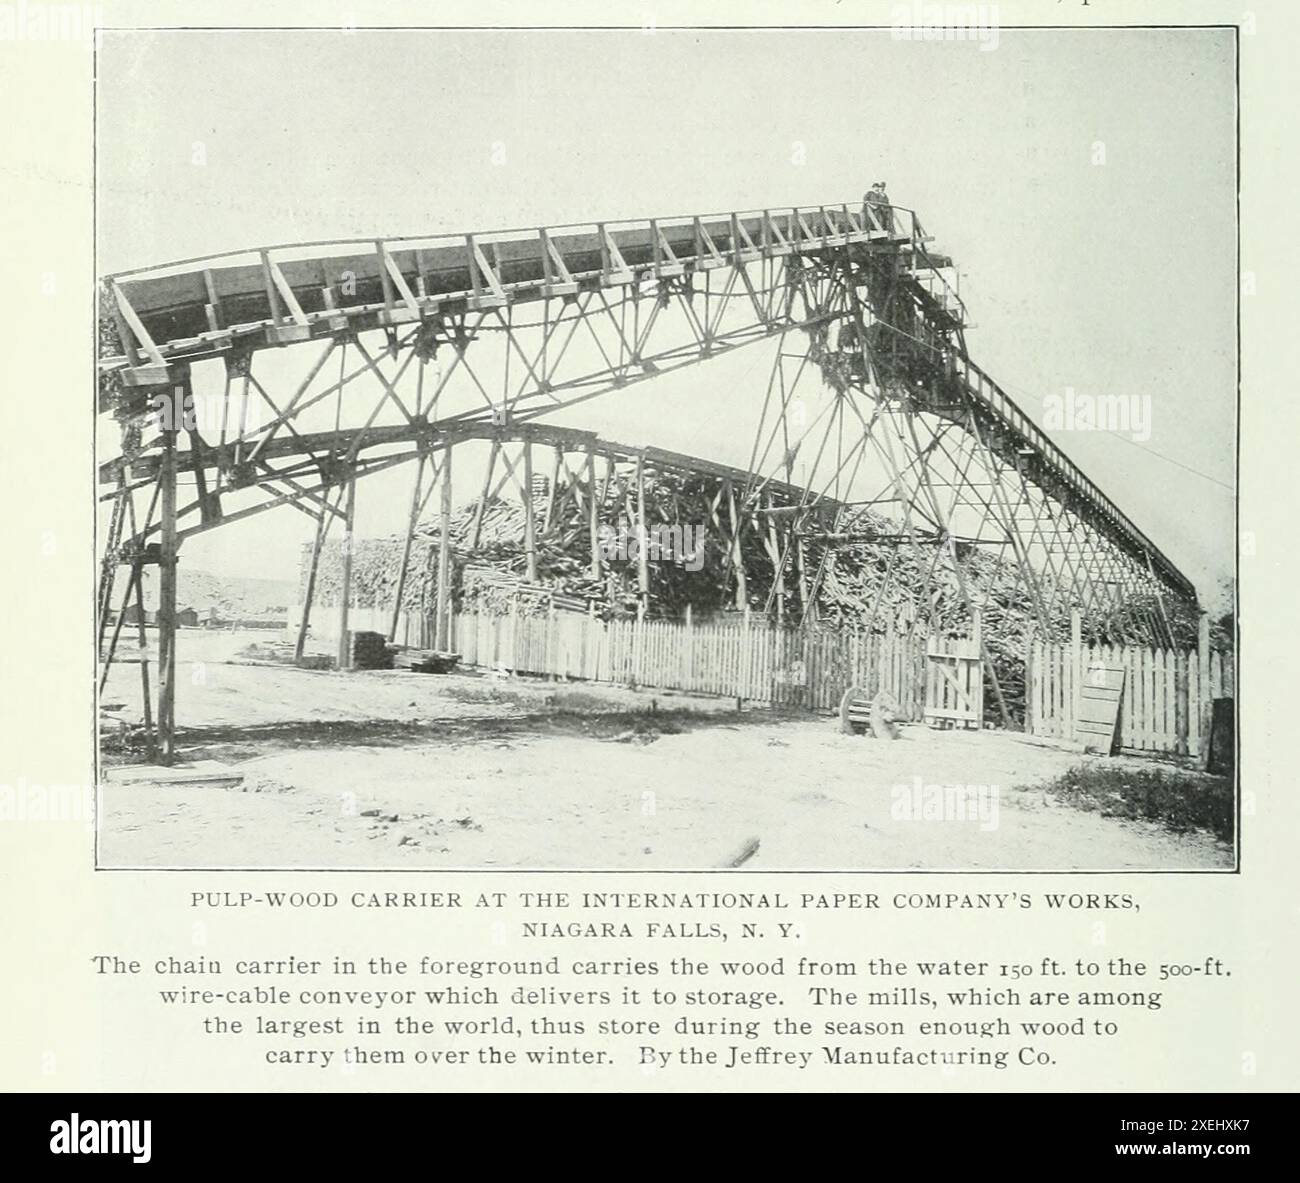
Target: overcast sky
{"points": [[1084, 181]]}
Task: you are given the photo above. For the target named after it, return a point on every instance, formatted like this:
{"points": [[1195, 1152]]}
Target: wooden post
{"points": [[778, 561], [737, 556], [442, 624], [477, 528], [117, 632], [322, 528], [1029, 679], [1181, 702], [549, 519], [1205, 723], [642, 560], [889, 679], [530, 524], [406, 546], [803, 577], [167, 592], [345, 587], [1076, 667], [151, 740], [593, 514]]}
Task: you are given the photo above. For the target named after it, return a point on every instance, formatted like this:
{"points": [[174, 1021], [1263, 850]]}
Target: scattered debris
{"points": [[746, 853], [370, 651], [423, 661]]}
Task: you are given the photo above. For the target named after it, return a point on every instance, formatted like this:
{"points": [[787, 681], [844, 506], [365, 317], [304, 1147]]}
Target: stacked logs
{"points": [[868, 584]]}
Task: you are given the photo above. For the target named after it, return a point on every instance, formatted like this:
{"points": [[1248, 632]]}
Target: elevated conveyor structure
{"points": [[407, 349]]}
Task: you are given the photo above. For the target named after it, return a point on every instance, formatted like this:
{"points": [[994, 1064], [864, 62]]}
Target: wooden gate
{"points": [[954, 682], [1100, 698]]}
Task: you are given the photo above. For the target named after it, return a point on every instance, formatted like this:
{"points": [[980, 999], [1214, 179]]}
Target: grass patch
{"points": [[1180, 801]]}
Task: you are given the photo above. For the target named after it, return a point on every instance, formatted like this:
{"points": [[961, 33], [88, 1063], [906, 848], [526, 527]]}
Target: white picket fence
{"points": [[759, 663], [1165, 693], [1163, 708]]}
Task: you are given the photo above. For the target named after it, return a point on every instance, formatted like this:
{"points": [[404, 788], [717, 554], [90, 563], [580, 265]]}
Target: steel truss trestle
{"points": [[874, 427]]}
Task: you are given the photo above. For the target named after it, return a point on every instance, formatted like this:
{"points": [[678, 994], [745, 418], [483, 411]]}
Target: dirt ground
{"points": [[404, 770]]}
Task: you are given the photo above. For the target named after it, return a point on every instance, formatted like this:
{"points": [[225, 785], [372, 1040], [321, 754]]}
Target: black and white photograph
{"points": [[655, 547], [667, 449]]}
